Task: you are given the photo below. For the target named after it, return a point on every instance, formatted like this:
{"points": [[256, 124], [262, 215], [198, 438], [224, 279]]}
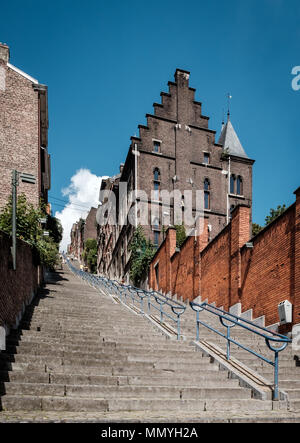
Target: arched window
{"points": [[206, 194], [239, 185], [232, 184]]}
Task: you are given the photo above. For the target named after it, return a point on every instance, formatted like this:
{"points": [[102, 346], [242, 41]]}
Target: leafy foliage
{"points": [[90, 254], [55, 229], [180, 235], [142, 252], [274, 213], [256, 228], [30, 230]]}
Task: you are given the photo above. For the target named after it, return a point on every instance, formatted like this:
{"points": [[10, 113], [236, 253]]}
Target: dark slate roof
{"points": [[231, 142]]}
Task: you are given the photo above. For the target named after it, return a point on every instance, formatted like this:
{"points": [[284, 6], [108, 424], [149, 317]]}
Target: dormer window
{"points": [[206, 158]]}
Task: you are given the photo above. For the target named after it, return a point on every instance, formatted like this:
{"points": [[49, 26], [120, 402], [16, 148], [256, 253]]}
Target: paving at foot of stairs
{"points": [[79, 356]]}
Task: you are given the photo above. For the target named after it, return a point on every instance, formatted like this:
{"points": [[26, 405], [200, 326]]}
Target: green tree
{"points": [[28, 216], [274, 213], [29, 229], [90, 254], [54, 227], [256, 228], [142, 252]]}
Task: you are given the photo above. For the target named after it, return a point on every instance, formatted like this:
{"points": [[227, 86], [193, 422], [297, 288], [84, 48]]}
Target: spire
{"points": [[229, 97], [230, 141]]}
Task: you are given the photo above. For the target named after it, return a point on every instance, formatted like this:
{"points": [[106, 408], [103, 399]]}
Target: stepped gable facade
{"points": [[176, 151]]}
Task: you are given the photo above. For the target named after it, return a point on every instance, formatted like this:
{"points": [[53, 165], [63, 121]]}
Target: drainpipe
{"points": [[228, 190]]}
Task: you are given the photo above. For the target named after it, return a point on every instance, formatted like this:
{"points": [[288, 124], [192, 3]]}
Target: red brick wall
{"points": [[16, 287], [227, 272]]}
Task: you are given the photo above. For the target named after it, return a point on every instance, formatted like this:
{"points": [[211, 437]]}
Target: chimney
{"points": [[121, 167], [182, 77], [4, 52]]}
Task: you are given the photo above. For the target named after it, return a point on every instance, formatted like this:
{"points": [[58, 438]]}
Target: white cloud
{"points": [[83, 193]]}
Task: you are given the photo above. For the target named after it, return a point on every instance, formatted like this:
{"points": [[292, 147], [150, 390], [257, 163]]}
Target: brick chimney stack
{"points": [[4, 52]]}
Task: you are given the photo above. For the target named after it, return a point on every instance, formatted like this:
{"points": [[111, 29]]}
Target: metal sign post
{"points": [[26, 178], [14, 216]]}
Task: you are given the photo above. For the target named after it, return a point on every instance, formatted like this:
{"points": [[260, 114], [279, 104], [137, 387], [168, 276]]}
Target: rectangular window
{"points": [[156, 191], [206, 158], [156, 238], [206, 200], [156, 146]]}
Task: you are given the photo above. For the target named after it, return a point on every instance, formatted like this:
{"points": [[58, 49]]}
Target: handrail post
{"points": [[149, 305], [142, 305], [161, 313], [228, 343], [197, 326], [178, 326], [276, 376]]}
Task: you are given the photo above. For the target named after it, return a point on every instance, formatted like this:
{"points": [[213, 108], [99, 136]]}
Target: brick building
{"points": [[176, 151], [81, 231], [253, 275], [23, 131]]}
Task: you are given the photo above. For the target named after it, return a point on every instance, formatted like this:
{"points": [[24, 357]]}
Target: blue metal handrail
{"points": [[234, 320], [154, 299]]}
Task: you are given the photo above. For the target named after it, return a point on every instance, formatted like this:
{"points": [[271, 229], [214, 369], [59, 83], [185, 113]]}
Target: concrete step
{"points": [[295, 405], [134, 354], [25, 403], [129, 369], [128, 392], [106, 360], [98, 347], [211, 380], [138, 338], [290, 384], [294, 394]]}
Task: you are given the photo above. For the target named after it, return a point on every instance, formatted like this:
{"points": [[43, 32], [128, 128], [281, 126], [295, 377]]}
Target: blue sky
{"points": [[106, 62]]}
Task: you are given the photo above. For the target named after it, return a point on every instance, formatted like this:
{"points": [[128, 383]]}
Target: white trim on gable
{"points": [[33, 80]]}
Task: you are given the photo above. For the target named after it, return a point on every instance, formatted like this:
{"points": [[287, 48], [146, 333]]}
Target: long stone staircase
{"points": [[80, 353]]}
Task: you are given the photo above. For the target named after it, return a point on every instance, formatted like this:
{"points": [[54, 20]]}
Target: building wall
{"points": [[23, 128], [182, 129], [16, 287], [228, 270], [90, 229]]}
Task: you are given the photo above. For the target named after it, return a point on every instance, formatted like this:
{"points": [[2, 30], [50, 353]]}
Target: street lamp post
{"points": [[26, 178]]}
